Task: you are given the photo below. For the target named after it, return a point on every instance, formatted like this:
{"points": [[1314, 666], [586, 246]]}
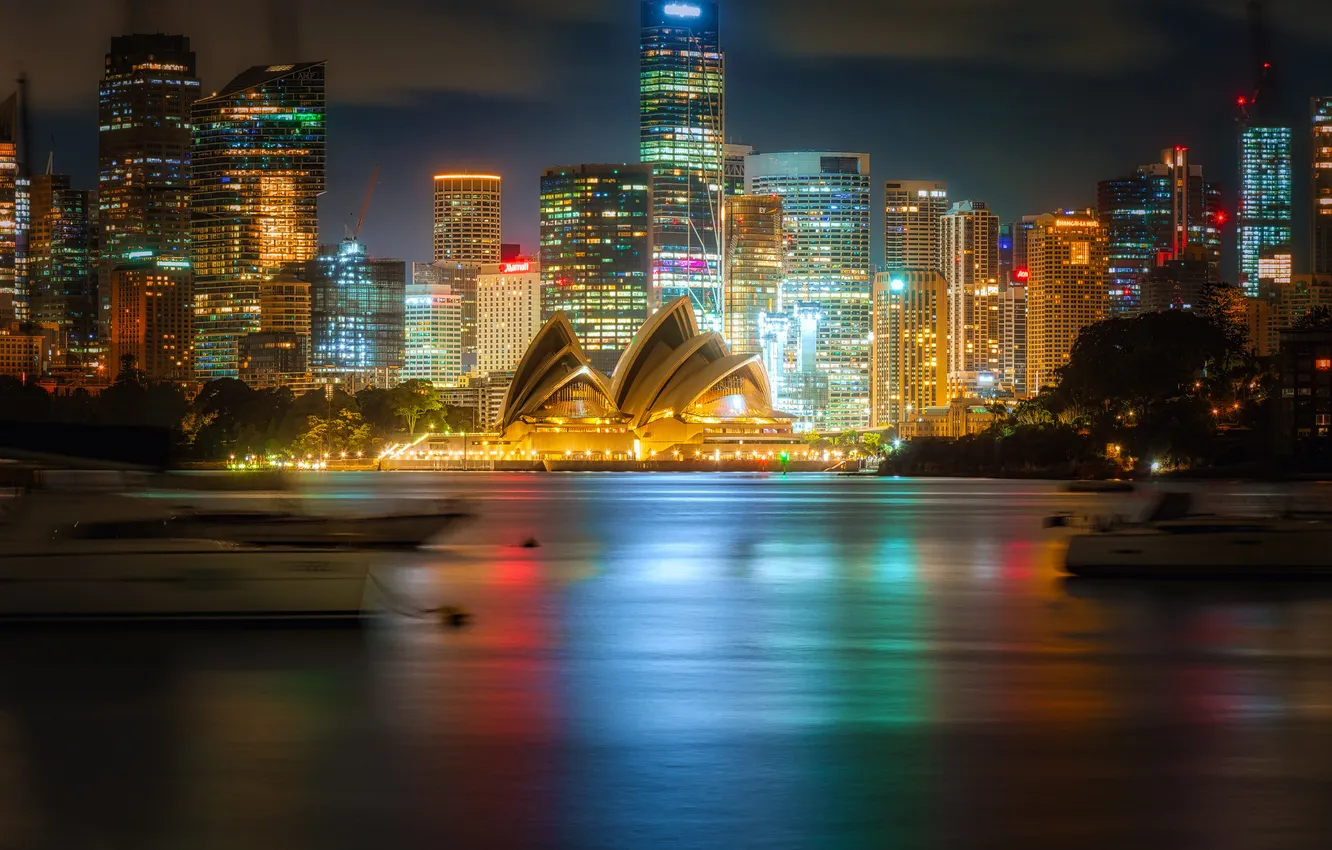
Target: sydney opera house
{"points": [[675, 392]]}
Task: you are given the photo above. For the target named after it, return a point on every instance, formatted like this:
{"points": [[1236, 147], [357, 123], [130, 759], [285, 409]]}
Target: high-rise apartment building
{"points": [[969, 261], [596, 253], [1067, 253], [357, 305], [1264, 216], [61, 267], [912, 209], [145, 100], [682, 131], [1321, 214], [257, 170], [910, 344], [755, 267], [467, 218], [508, 314], [1020, 232], [1013, 340], [151, 319], [433, 328], [1153, 216], [826, 217]]}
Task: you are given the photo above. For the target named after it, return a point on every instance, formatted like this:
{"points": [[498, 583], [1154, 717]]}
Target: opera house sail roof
{"points": [[669, 371]]}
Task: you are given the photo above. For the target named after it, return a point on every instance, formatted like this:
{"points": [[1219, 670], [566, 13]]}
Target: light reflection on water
{"points": [[702, 660]]}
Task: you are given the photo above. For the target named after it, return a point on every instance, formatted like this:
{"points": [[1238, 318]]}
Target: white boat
{"points": [[112, 556], [1172, 543]]}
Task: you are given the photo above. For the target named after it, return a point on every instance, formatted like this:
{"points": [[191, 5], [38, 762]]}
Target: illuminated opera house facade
{"points": [[675, 392]]}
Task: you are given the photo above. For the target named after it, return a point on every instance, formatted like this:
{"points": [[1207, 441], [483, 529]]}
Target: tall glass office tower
{"points": [[257, 171], [1154, 216], [596, 254], [1264, 198], [682, 131], [357, 315], [826, 217]]}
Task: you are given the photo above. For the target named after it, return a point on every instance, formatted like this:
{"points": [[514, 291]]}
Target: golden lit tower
{"points": [[257, 171], [1067, 254], [755, 265], [467, 218], [910, 342]]}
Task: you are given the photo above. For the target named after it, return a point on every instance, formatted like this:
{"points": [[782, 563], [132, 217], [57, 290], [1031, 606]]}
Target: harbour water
{"points": [[701, 661]]}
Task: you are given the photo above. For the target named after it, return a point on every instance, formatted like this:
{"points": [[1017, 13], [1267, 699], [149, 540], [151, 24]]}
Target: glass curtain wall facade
{"points": [[596, 253], [681, 134], [755, 267], [826, 218], [357, 315], [1154, 216], [62, 247], [1264, 199], [257, 169], [433, 333]]}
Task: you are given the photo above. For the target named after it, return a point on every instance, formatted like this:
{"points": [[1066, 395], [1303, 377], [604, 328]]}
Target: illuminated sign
{"points": [[515, 268], [138, 255], [682, 10], [897, 285], [1076, 222], [1023, 275]]}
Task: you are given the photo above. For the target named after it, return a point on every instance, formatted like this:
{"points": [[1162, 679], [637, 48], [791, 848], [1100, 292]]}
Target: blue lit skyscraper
{"points": [[1264, 198], [357, 315], [826, 215], [682, 132]]}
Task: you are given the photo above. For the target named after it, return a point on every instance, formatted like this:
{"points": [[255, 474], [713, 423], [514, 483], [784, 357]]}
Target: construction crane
{"points": [[1262, 68], [365, 206]]}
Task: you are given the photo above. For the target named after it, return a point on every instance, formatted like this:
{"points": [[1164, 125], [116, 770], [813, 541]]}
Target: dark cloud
{"points": [[1020, 103]]}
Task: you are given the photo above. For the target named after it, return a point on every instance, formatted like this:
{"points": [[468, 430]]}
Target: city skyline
{"points": [[758, 61]]}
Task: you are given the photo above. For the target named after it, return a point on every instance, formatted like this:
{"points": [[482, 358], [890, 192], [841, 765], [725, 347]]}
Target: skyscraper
{"points": [[1153, 216], [357, 315], [148, 89], [911, 223], [969, 260], [826, 209], [755, 266], [62, 246], [1264, 198], [735, 168], [910, 344], [433, 328], [1067, 253], [596, 253], [508, 314], [1013, 339], [257, 170], [682, 128], [9, 213], [1321, 214], [467, 218]]}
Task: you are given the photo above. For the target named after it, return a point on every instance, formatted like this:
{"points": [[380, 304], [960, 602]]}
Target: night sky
{"points": [[1024, 105]]}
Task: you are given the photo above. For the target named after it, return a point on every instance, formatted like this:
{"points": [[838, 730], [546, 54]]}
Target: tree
{"points": [[412, 400], [1317, 319], [345, 431]]}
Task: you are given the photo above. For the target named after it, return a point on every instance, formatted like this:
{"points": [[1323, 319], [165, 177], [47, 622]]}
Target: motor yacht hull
{"points": [[1295, 550], [399, 531], [185, 579]]}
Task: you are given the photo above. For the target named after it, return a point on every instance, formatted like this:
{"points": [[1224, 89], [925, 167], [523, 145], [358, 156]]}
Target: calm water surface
{"points": [[701, 661]]}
